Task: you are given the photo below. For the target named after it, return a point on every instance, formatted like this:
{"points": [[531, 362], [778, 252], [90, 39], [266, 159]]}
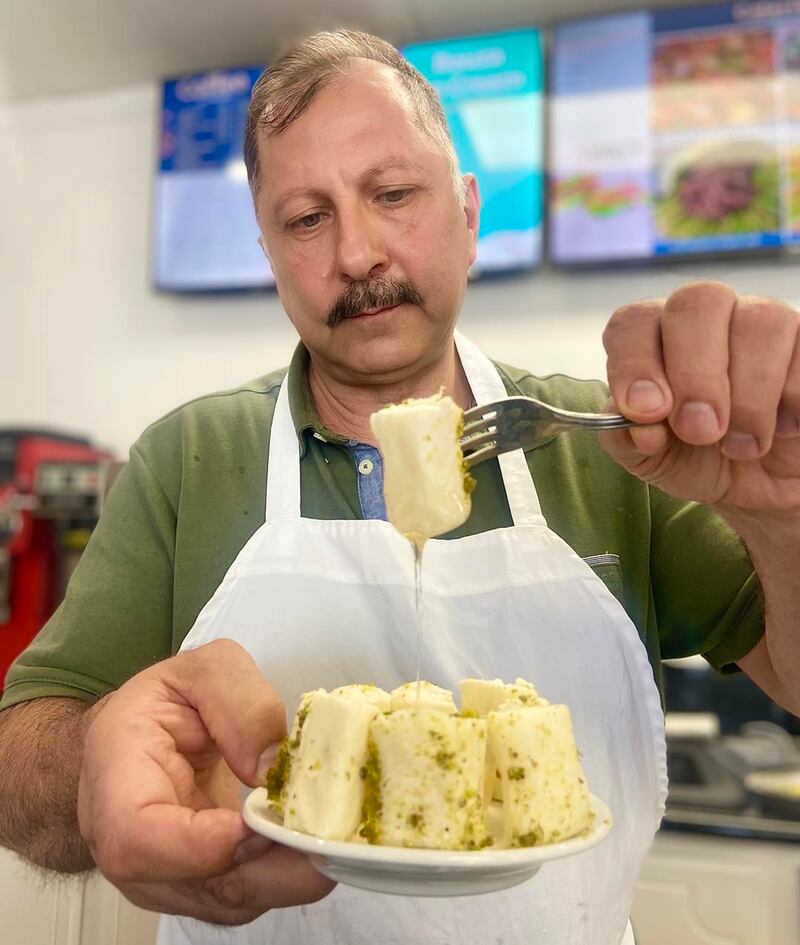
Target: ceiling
{"points": [[59, 47]]}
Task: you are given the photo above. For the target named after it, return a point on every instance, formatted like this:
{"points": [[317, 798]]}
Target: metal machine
{"points": [[50, 491]]}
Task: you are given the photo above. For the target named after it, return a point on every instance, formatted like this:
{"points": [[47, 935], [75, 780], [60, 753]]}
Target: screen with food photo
{"points": [[794, 190], [670, 130], [714, 79], [791, 72], [719, 194], [600, 143], [791, 97]]}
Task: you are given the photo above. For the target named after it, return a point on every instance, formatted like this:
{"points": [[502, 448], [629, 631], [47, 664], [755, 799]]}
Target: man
{"points": [[244, 533]]}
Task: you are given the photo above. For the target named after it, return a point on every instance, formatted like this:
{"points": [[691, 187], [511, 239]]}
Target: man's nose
{"points": [[361, 252]]}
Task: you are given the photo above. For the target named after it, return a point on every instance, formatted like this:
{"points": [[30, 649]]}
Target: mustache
{"points": [[377, 293]]}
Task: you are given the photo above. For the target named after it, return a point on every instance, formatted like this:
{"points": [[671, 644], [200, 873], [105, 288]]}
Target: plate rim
{"points": [[376, 855]]}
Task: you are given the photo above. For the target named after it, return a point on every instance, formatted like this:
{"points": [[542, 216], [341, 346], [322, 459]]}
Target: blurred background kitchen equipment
{"points": [[729, 747], [50, 489]]}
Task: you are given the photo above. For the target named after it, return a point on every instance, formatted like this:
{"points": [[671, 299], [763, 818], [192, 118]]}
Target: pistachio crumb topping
{"points": [[446, 759], [526, 839], [277, 776], [371, 809]]}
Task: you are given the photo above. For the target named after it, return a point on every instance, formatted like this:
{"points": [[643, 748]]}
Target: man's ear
{"points": [[472, 211], [265, 251]]}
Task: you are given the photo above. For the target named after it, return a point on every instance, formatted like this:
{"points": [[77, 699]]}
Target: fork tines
{"points": [[479, 436], [476, 420]]}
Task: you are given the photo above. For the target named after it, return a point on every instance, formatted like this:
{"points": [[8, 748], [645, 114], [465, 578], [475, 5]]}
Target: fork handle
{"points": [[593, 421]]}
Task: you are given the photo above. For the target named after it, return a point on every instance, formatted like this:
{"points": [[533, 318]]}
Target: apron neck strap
{"points": [[487, 385], [283, 469], [283, 463]]}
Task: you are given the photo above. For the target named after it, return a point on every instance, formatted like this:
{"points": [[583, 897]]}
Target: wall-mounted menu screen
{"points": [[676, 132], [491, 89], [205, 228]]}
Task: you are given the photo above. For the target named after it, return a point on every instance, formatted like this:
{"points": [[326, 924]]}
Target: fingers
{"points": [[242, 712], [180, 844], [139, 807], [762, 340], [670, 360], [628, 446], [695, 328], [721, 369], [636, 375], [154, 798], [154, 801], [788, 423], [279, 877]]}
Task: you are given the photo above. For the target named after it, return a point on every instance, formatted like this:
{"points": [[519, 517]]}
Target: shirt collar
{"points": [[301, 403]]}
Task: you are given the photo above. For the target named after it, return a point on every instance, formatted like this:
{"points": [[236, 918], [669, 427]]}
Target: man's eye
{"points": [[395, 196], [308, 222]]}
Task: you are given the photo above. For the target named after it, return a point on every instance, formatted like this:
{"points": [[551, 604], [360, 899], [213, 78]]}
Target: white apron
{"points": [[325, 603]]}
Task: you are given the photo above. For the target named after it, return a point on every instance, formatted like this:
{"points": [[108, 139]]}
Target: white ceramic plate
{"points": [[413, 872]]}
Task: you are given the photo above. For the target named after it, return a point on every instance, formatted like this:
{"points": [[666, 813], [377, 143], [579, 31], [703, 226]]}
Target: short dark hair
{"points": [[287, 88]]}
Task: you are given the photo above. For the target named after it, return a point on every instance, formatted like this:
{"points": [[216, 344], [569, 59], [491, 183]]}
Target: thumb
{"points": [[631, 446], [243, 714]]}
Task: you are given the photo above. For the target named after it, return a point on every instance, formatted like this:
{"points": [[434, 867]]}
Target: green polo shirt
{"points": [[193, 493]]}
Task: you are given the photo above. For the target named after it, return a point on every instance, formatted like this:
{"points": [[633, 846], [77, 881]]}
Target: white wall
{"points": [[86, 345]]}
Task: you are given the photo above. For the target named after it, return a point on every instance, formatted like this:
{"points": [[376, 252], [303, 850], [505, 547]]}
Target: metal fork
{"points": [[520, 422]]}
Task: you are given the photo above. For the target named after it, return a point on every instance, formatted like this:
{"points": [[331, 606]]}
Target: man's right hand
{"points": [[157, 804]]}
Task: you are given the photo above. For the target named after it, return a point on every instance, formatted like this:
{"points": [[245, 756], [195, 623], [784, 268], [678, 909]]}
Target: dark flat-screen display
{"points": [[675, 132], [491, 87]]}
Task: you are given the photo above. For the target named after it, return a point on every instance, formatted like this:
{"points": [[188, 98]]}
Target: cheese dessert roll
{"points": [[481, 696], [424, 781], [277, 777], [369, 693], [324, 791], [430, 697], [425, 483], [545, 798], [524, 692]]}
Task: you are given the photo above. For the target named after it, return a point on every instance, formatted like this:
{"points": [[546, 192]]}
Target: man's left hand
{"points": [[719, 376]]}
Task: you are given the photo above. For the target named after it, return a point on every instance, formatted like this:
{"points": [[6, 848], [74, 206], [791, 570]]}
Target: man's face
{"points": [[358, 211]]}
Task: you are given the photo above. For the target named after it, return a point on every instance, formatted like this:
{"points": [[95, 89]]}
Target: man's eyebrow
{"points": [[284, 198], [382, 167], [390, 164]]}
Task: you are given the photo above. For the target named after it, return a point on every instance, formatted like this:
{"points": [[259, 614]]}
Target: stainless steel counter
{"points": [[745, 824]]}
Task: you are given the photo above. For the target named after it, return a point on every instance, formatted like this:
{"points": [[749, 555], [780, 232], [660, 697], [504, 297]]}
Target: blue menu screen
{"points": [[205, 228], [492, 91]]}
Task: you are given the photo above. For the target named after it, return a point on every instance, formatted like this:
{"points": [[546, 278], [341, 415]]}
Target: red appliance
{"points": [[50, 486]]}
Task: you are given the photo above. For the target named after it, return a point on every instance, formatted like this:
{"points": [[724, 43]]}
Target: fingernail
{"points": [[251, 849], [742, 446], [787, 424], [646, 396], [267, 760], [701, 420]]}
